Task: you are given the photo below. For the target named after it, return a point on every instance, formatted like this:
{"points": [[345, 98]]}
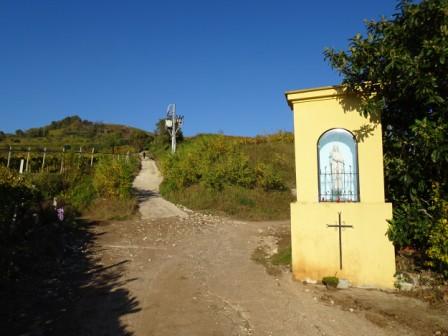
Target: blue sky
{"points": [[226, 64]]}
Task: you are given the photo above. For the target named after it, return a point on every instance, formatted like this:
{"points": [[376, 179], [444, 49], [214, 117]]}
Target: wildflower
{"points": [[60, 213]]}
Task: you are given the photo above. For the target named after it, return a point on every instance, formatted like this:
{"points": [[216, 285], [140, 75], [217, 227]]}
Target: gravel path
{"points": [[152, 205]]}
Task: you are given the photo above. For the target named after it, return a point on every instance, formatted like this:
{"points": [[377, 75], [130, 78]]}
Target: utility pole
{"points": [[173, 124]]}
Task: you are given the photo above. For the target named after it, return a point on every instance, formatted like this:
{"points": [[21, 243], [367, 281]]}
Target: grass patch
{"points": [[284, 253], [261, 257], [111, 209], [283, 257], [274, 263]]}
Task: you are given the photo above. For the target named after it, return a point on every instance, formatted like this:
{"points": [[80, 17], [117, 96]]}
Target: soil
{"points": [[178, 272]]}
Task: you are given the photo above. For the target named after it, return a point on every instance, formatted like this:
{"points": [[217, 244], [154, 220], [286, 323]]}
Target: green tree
{"points": [[162, 136], [139, 139], [399, 70], [111, 141]]}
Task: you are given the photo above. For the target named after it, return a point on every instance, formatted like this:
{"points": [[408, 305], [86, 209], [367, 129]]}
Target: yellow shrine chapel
{"points": [[339, 221]]}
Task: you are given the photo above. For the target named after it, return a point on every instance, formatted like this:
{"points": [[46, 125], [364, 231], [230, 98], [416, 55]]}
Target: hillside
{"points": [[74, 132], [244, 177], [247, 178]]}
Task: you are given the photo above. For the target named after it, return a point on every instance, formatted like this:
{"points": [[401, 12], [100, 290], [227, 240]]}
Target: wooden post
{"points": [[43, 159], [62, 160], [22, 161], [9, 156], [27, 166], [80, 153], [91, 157], [127, 156]]}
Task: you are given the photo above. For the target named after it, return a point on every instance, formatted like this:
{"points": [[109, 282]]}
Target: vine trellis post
{"points": [[43, 159], [80, 157], [9, 156], [30, 155], [62, 160], [91, 157], [27, 160]]}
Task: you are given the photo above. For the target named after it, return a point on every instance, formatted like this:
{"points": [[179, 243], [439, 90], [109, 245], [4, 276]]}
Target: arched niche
{"points": [[338, 166]]}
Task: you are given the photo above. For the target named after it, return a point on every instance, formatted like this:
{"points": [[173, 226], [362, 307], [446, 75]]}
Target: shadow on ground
{"points": [[68, 292], [144, 195]]}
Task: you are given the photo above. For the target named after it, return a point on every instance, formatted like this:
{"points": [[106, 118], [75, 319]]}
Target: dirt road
{"points": [[176, 272]]}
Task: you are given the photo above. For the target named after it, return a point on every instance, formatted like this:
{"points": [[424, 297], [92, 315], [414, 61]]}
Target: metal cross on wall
{"points": [[340, 226]]}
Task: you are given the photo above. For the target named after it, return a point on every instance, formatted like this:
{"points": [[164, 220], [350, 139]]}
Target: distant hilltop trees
{"points": [[72, 132], [69, 125]]}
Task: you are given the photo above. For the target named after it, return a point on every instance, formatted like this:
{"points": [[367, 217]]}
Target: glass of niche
{"points": [[338, 166]]}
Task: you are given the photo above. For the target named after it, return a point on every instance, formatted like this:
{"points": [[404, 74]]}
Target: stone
{"points": [[405, 286], [344, 284], [309, 281]]}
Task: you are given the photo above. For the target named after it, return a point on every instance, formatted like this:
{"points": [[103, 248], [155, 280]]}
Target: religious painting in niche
{"points": [[338, 169]]}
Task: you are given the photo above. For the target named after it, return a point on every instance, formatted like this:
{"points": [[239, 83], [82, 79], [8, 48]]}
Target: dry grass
{"points": [[111, 209], [236, 202]]}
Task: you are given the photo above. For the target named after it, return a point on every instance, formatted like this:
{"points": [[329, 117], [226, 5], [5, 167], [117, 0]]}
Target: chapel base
{"points": [[368, 258]]}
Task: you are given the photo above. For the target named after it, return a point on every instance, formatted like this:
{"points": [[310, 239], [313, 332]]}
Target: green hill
{"points": [[73, 132]]}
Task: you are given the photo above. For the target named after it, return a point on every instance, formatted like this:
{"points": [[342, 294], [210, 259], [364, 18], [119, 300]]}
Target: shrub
{"points": [[330, 281], [211, 161], [82, 193], [18, 196], [19, 199], [410, 226], [424, 227], [268, 178], [113, 178], [48, 184], [438, 238], [438, 246]]}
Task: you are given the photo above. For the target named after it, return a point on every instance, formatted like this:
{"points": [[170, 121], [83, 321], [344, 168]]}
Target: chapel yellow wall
{"points": [[368, 256]]}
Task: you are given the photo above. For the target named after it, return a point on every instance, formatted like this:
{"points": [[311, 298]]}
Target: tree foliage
{"points": [[399, 69], [162, 136]]}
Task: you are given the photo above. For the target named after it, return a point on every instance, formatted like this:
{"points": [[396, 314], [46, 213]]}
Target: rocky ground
{"points": [[186, 273]]}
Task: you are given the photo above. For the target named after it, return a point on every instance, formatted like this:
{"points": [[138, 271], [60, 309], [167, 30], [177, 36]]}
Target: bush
{"points": [[215, 162], [330, 281], [438, 238], [268, 178], [81, 194], [438, 247], [49, 184], [424, 227], [18, 197], [410, 226], [19, 200], [211, 161], [113, 178]]}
